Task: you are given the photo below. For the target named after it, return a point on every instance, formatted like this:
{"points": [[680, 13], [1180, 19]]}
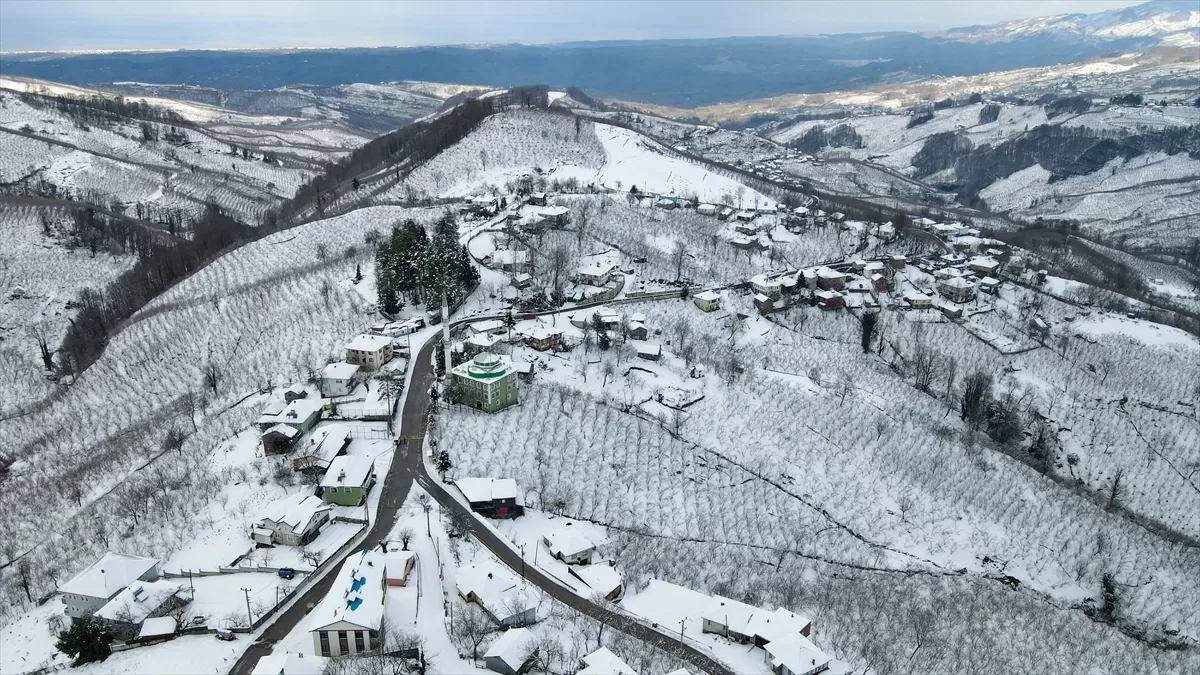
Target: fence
{"points": [[370, 433]]}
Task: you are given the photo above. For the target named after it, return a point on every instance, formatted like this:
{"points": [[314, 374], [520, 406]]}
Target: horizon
{"points": [[218, 25]]}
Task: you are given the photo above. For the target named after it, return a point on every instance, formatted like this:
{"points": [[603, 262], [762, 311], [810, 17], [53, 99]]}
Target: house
{"points": [[707, 301], [512, 653], [487, 382], [542, 338], [288, 663], [278, 439], [948, 230], [897, 261], [879, 282], [830, 279], [569, 546], [666, 203], [369, 351], [337, 379], [956, 289], [595, 273], [532, 223], [522, 280], [763, 304], [95, 586], [158, 628], [637, 331], [706, 210], [984, 266], [918, 300], [725, 213], [489, 327], [555, 216], [858, 285], [141, 600], [782, 635], [604, 662], [509, 259], [768, 286], [348, 620], [294, 392], [602, 578], [949, 310], [303, 413], [270, 415], [348, 480], [294, 520], [650, 351], [746, 216], [478, 344], [741, 242], [990, 285], [321, 447], [492, 586], [399, 564], [492, 497], [537, 199], [745, 228], [830, 300]]}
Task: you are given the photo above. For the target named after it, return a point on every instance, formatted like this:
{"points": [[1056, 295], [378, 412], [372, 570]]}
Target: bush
{"points": [[87, 640], [918, 120]]}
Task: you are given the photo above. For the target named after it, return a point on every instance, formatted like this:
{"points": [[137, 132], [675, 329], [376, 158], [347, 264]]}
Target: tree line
{"points": [[98, 109], [412, 266]]}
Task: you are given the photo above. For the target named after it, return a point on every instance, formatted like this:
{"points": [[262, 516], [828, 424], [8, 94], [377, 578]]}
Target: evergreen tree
{"points": [[87, 640]]}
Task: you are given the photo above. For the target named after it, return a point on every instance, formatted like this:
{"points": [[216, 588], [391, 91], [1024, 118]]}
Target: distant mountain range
{"points": [[681, 73]]}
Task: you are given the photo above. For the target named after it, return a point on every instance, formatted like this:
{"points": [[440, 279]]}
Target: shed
{"points": [[157, 628], [511, 653], [649, 351]]}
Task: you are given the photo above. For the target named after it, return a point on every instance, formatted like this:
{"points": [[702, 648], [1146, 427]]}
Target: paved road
{"points": [[408, 465]]}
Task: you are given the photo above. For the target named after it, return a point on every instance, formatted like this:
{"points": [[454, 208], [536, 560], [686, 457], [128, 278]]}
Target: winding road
{"points": [[407, 466]]}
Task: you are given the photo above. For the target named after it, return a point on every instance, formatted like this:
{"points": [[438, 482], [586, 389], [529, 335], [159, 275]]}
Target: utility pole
{"points": [[445, 331], [249, 616], [681, 624]]}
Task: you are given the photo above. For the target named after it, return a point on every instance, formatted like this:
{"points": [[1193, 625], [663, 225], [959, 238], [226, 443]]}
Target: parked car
{"points": [[287, 573], [434, 318], [226, 635]]}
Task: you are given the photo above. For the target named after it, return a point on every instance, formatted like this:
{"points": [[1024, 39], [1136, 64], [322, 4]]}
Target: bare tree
{"points": [[922, 365], [405, 534], [558, 258], [470, 627], [212, 377], [678, 258], [977, 395]]}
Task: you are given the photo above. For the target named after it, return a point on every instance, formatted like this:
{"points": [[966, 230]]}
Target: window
{"points": [[343, 642], [325, 643], [358, 642]]}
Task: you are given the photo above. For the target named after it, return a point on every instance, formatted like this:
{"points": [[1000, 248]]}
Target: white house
{"points": [[918, 300], [569, 546], [707, 301], [347, 621], [337, 379], [595, 273], [956, 289], [288, 663], [294, 520], [502, 596], [768, 286], [707, 210], [94, 587], [984, 266], [141, 600], [511, 652], [604, 662], [488, 327], [508, 259], [369, 351], [601, 577]]}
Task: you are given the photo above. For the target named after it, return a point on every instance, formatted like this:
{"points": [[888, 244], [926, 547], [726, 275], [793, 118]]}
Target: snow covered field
{"points": [[871, 481]]}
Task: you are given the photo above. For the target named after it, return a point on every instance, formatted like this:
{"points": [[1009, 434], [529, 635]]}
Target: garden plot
{"points": [[820, 480], [39, 276]]}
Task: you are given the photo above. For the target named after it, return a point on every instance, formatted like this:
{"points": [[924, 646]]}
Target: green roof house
{"points": [[487, 382], [348, 480]]}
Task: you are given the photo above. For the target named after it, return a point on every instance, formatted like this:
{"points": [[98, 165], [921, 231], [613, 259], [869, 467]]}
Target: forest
{"points": [[415, 267]]}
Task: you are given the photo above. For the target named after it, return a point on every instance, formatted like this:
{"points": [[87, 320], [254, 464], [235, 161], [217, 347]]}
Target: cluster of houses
{"points": [[781, 635], [959, 279], [128, 593]]}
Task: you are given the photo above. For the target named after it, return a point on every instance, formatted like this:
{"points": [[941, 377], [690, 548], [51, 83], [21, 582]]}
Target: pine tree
{"points": [[87, 640]]}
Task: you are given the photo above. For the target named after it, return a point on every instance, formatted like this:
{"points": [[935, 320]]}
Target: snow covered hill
{"points": [[1163, 19]]}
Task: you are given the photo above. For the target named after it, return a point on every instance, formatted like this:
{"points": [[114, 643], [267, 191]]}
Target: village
{"points": [[338, 435]]}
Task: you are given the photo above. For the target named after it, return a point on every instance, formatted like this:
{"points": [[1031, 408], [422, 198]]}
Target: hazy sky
{"points": [[27, 25]]}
